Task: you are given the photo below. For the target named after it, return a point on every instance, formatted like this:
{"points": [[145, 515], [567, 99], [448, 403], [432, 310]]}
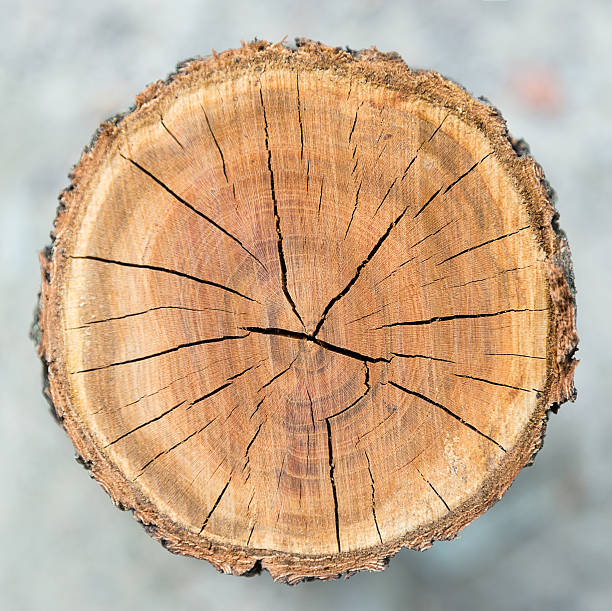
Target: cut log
{"points": [[304, 307]]}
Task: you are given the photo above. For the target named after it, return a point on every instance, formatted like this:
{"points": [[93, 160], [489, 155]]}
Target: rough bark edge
{"points": [[386, 70]]}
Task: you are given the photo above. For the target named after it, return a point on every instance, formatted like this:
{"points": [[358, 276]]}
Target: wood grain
{"points": [[305, 307]]}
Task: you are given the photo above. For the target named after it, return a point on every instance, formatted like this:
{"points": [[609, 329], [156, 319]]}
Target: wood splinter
{"points": [[304, 307]]}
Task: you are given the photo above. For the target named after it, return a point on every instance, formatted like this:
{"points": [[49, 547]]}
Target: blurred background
{"points": [[66, 66]]}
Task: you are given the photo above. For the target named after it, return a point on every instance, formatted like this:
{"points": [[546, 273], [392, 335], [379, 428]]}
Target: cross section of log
{"points": [[304, 307]]}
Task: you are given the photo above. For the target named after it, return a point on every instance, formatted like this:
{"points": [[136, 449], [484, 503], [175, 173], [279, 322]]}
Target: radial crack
{"points": [[165, 270], [505, 271], [161, 119], [140, 426], [397, 269], [448, 411], [458, 317], [279, 243], [368, 315], [458, 375], [501, 237], [208, 395], [162, 352], [466, 173], [278, 375], [359, 398], [100, 320], [298, 335], [332, 480], [420, 356], [185, 203], [320, 198], [526, 356], [176, 445], [311, 410], [215, 505], [385, 196], [373, 497], [210, 129], [297, 86], [354, 209], [434, 490], [359, 269]]}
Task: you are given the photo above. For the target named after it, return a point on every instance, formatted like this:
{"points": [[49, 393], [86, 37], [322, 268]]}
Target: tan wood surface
{"points": [[305, 307]]}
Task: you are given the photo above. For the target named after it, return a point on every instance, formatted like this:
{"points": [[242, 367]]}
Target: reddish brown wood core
{"points": [[304, 308]]}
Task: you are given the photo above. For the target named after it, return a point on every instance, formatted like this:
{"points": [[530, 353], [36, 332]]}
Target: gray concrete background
{"points": [[65, 66]]}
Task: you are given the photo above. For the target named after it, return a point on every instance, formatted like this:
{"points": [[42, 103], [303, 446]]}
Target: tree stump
{"points": [[304, 307]]}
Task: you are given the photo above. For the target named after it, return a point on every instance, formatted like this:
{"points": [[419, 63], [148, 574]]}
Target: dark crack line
{"points": [[162, 352], [358, 399], [250, 501], [297, 85], [165, 270], [458, 375], [256, 408], [354, 123], [311, 410], [433, 282], [397, 269], [373, 497], [426, 141], [246, 452], [525, 356], [255, 366], [420, 356], [428, 202], [185, 203], [209, 394], [140, 426], [307, 174], [367, 315], [434, 490], [210, 129], [385, 197], [505, 271], [250, 535], [449, 187], [431, 235], [354, 209], [501, 237], [298, 335], [280, 474], [161, 119], [458, 180], [229, 381], [457, 317], [330, 452], [215, 505], [278, 375], [176, 445], [100, 320], [375, 427], [320, 198], [359, 269], [279, 243], [172, 383], [447, 411]]}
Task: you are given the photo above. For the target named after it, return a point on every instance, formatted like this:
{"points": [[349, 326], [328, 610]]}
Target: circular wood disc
{"points": [[305, 307]]}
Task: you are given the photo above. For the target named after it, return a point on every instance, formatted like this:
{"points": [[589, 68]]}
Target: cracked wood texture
{"points": [[305, 307]]}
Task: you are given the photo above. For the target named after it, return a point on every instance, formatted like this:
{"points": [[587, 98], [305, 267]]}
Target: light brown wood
{"points": [[305, 307]]}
